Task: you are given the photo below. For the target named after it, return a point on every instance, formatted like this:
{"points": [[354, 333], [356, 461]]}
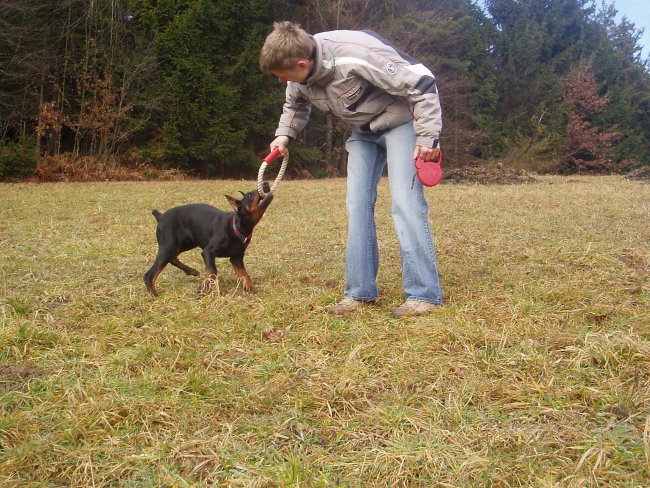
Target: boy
{"points": [[391, 102]]}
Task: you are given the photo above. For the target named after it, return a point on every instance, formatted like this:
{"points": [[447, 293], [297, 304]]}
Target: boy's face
{"points": [[298, 73]]}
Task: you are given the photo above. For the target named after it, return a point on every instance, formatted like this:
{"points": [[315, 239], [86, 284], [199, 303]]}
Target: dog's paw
{"points": [[248, 286]]}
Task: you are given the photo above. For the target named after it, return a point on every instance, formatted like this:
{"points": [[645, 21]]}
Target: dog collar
{"points": [[244, 239]]}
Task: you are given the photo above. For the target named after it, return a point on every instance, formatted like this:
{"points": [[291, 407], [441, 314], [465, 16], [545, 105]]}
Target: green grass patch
{"points": [[536, 372]]}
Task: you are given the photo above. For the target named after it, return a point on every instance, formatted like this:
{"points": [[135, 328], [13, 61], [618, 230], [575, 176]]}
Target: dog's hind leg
{"points": [[188, 270], [162, 259], [151, 276]]}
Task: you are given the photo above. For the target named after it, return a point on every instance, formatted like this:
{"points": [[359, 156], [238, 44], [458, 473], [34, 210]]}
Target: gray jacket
{"points": [[373, 86]]}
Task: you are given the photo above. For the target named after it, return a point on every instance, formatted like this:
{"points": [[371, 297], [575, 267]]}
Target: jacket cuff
{"points": [[285, 131], [426, 141]]}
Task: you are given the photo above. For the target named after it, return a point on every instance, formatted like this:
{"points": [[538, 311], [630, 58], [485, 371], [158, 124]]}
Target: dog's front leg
{"points": [[238, 265]]}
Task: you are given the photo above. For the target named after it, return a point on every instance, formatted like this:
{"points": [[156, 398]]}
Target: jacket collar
{"points": [[323, 64]]}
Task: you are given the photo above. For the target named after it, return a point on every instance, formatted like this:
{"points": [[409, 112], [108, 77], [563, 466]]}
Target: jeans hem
{"points": [[427, 300], [364, 299]]}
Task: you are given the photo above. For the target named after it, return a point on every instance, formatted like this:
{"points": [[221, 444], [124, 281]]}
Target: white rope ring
{"points": [[276, 183]]}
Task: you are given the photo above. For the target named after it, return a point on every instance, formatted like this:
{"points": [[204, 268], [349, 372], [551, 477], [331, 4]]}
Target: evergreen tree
{"points": [[219, 104], [537, 44], [624, 77], [537, 40]]}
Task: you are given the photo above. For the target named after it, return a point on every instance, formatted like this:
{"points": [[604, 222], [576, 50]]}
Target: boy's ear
{"points": [[303, 63], [233, 202]]}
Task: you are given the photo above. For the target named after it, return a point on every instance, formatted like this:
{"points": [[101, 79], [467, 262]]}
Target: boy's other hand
{"points": [[427, 153]]}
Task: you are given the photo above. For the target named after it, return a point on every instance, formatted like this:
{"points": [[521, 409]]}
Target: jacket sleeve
{"points": [[295, 113], [415, 82]]}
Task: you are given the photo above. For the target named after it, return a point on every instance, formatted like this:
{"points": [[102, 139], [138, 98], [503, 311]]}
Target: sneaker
{"points": [[349, 305], [411, 308]]}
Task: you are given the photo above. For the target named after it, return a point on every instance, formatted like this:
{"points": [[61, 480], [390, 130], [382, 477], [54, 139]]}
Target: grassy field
{"points": [[536, 372]]}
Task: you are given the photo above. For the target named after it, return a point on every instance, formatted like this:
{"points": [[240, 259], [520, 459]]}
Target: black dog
{"points": [[217, 232]]}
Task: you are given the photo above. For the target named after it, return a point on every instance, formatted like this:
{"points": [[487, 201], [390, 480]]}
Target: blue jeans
{"points": [[367, 156]]}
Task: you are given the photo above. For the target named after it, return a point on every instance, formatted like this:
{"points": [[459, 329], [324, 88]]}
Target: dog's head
{"points": [[252, 206]]}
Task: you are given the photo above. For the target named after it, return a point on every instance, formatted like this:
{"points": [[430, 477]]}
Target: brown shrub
{"points": [[66, 167]]}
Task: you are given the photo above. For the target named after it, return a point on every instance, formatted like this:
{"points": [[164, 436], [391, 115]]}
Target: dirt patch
{"points": [[640, 174], [486, 175], [18, 376]]}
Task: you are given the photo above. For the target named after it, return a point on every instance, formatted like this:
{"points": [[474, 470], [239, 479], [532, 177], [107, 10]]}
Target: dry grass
{"points": [[535, 373]]}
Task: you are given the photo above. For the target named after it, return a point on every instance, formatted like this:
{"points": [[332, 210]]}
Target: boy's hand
{"points": [[281, 142], [427, 153]]}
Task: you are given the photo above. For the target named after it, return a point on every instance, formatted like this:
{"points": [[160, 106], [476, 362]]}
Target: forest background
{"points": [[133, 89]]}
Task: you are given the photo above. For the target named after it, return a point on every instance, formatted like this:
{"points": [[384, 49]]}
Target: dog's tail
{"points": [[156, 214]]}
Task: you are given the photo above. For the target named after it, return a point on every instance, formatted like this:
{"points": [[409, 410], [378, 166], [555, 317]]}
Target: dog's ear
{"points": [[242, 193], [233, 202]]}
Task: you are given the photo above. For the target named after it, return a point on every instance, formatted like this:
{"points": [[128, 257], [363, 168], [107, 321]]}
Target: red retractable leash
{"points": [[429, 172]]}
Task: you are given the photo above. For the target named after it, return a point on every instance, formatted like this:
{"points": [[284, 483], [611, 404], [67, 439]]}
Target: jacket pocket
{"points": [[395, 114], [354, 94]]}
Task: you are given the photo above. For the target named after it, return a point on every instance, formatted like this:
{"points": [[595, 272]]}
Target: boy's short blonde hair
{"points": [[285, 46]]}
